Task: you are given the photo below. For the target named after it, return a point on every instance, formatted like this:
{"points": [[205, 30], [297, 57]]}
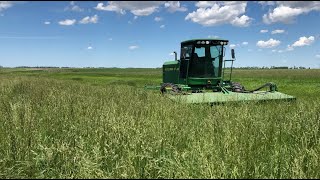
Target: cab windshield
{"points": [[205, 61]]}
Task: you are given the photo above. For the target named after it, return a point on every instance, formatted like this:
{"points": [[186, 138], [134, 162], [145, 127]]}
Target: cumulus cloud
{"points": [[110, 7], [174, 6], [87, 20], [5, 5], [212, 36], [47, 22], [318, 56], [264, 31], [286, 11], [289, 48], [138, 8], [90, 47], [158, 19], [211, 13], [73, 7], [243, 21], [162, 26], [245, 43], [67, 22], [268, 44], [277, 31], [232, 46], [133, 47], [303, 41], [267, 3], [205, 4]]}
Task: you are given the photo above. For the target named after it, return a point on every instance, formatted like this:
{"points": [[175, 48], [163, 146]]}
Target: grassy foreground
{"points": [[83, 124]]}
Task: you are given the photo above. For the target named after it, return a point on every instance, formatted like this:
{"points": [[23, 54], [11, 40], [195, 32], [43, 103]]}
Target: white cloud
{"points": [[286, 11], [5, 5], [133, 47], [90, 47], [162, 26], [245, 43], [277, 31], [273, 50], [87, 20], [67, 22], [214, 37], [47, 22], [232, 46], [318, 56], [174, 6], [216, 13], [110, 7], [138, 8], [205, 4], [158, 19], [267, 3], [144, 12], [268, 44], [110, 39], [289, 48], [243, 21], [135, 17], [264, 31], [73, 7], [303, 41]]}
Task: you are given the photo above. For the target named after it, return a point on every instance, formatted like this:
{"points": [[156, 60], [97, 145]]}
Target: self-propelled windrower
{"points": [[201, 76]]}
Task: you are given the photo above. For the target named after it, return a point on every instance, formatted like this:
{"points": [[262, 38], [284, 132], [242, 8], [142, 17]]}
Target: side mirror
{"points": [[232, 54], [175, 55]]}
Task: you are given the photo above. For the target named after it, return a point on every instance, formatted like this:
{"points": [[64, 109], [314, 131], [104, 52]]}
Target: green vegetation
{"points": [[101, 123]]}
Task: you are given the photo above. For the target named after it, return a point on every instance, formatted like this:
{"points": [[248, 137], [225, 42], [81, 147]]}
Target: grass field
{"points": [[101, 123]]}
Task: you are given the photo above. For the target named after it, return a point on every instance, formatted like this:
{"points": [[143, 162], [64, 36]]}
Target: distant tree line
{"points": [[247, 67], [272, 67]]}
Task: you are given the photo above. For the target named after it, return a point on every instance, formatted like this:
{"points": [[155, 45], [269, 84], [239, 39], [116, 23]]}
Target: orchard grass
{"points": [[101, 123]]}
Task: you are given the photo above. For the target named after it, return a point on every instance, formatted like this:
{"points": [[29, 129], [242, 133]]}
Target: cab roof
{"points": [[204, 39]]}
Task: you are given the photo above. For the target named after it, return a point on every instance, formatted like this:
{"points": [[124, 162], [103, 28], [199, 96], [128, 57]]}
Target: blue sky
{"points": [[145, 33]]}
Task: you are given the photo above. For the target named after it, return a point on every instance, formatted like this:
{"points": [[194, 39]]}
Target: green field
{"points": [[101, 123]]}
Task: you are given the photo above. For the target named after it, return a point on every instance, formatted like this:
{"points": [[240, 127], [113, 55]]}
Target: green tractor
{"points": [[201, 76]]}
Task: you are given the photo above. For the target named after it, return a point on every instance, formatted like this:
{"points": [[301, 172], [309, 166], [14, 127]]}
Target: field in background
{"points": [[90, 123]]}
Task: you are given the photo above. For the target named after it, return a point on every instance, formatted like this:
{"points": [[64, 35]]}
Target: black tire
{"points": [[174, 88]]}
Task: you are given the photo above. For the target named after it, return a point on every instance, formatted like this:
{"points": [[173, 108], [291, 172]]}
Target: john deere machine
{"points": [[201, 76]]}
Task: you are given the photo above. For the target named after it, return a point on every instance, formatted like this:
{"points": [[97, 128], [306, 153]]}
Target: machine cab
{"points": [[200, 63], [201, 60]]}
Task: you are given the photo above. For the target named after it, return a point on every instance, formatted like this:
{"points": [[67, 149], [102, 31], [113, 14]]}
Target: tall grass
{"points": [[67, 129]]}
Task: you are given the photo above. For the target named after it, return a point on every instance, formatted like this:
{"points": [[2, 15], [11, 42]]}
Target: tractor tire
{"points": [[237, 87], [174, 88]]}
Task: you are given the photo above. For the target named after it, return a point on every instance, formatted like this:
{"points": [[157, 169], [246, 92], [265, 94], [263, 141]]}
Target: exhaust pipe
{"points": [[175, 55]]}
